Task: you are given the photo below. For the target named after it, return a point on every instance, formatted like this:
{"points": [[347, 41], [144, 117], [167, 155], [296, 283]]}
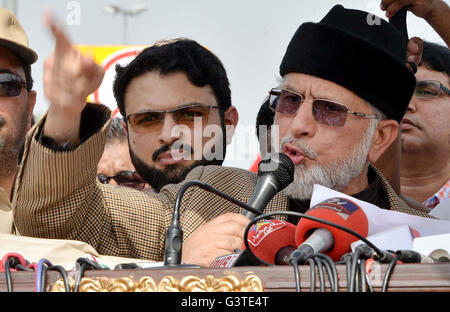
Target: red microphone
{"points": [[315, 237], [272, 241]]}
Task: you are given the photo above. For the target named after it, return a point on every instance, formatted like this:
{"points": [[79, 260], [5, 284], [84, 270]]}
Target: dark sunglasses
{"points": [[11, 85], [428, 89], [324, 111], [125, 178], [152, 120]]}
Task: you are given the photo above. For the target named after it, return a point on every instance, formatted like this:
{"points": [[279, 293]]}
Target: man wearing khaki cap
{"points": [[16, 106]]}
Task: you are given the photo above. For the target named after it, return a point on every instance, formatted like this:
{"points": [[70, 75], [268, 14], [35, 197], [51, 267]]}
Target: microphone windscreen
{"points": [[278, 165], [268, 237], [341, 211]]}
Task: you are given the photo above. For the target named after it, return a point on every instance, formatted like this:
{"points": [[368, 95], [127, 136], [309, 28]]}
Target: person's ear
{"points": [[384, 135], [30, 108], [124, 125], [231, 119]]}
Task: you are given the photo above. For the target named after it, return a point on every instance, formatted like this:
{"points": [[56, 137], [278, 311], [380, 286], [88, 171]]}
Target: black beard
{"points": [[172, 174]]}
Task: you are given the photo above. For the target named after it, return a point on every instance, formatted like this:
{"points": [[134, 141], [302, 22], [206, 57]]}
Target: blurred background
{"points": [[250, 37]]}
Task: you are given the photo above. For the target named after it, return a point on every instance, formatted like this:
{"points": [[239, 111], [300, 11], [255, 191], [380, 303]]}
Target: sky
{"points": [[249, 36]]}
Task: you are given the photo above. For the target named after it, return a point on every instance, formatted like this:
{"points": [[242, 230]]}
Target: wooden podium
{"points": [[405, 278]]}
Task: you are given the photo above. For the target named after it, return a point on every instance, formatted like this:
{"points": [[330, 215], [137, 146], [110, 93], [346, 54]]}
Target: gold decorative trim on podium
{"points": [[229, 283]]}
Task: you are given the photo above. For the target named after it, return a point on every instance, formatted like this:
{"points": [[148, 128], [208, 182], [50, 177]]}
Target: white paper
{"points": [[383, 240], [442, 210], [426, 245], [381, 219]]}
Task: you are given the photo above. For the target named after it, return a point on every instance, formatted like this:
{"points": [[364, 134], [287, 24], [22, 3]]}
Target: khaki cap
{"points": [[14, 38]]}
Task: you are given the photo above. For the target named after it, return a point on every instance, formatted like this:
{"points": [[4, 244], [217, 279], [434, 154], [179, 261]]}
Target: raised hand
{"points": [[69, 77]]}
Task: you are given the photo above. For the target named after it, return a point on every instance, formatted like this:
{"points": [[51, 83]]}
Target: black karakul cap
{"points": [[367, 58]]}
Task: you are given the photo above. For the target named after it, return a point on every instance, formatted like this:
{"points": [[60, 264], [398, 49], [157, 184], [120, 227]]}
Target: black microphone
{"points": [[411, 256], [174, 234], [275, 172]]}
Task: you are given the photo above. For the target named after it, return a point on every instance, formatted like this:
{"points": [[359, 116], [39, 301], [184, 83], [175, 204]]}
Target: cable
{"points": [[331, 269], [84, 264], [8, 276], [362, 274], [388, 273], [312, 274], [368, 279], [39, 274], [63, 274], [320, 272], [352, 287], [294, 264]]}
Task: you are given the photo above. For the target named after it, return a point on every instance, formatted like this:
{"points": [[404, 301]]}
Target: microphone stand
{"points": [[174, 235]]}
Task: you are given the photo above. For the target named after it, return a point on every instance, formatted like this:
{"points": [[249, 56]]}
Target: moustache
{"points": [[302, 146], [167, 147]]}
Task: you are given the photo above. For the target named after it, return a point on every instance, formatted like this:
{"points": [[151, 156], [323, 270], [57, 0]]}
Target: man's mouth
{"points": [[170, 158], [408, 124], [294, 153]]}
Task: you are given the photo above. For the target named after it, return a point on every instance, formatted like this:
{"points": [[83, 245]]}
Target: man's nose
{"points": [[166, 135]]}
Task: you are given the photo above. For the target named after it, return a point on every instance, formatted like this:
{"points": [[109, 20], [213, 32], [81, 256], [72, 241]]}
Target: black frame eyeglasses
{"points": [[324, 111], [128, 178]]}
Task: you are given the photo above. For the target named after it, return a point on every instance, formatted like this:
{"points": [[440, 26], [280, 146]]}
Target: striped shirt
{"points": [[439, 196]]}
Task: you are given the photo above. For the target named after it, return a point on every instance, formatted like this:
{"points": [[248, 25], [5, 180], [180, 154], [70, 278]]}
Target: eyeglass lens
{"points": [[326, 112], [10, 85], [125, 178], [427, 89], [152, 121]]}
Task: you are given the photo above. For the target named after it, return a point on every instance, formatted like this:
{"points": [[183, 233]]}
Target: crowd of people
{"points": [[360, 109]]}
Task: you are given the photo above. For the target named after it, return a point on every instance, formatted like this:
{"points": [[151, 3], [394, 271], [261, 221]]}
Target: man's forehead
{"points": [[319, 88], [165, 92], [10, 63], [426, 73]]}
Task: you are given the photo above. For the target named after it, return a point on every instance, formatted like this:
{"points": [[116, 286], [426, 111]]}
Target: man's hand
{"points": [[69, 77], [414, 53], [219, 237], [420, 8]]}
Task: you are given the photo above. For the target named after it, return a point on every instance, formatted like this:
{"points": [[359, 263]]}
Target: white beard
{"points": [[335, 175]]}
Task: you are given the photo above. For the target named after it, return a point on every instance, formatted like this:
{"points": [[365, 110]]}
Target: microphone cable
{"points": [[84, 264], [389, 270], [8, 279], [40, 274], [61, 271]]}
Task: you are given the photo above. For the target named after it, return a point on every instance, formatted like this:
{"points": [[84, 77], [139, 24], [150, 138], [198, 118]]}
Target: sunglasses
{"points": [[428, 89], [11, 85], [324, 111], [152, 120], [125, 178]]}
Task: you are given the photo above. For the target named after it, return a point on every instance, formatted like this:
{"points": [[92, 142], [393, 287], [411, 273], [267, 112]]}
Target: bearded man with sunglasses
{"points": [[331, 71], [17, 100]]}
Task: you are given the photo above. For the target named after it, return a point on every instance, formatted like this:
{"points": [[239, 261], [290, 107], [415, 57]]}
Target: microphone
{"points": [[272, 241], [411, 256], [275, 172], [314, 237], [174, 233]]}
